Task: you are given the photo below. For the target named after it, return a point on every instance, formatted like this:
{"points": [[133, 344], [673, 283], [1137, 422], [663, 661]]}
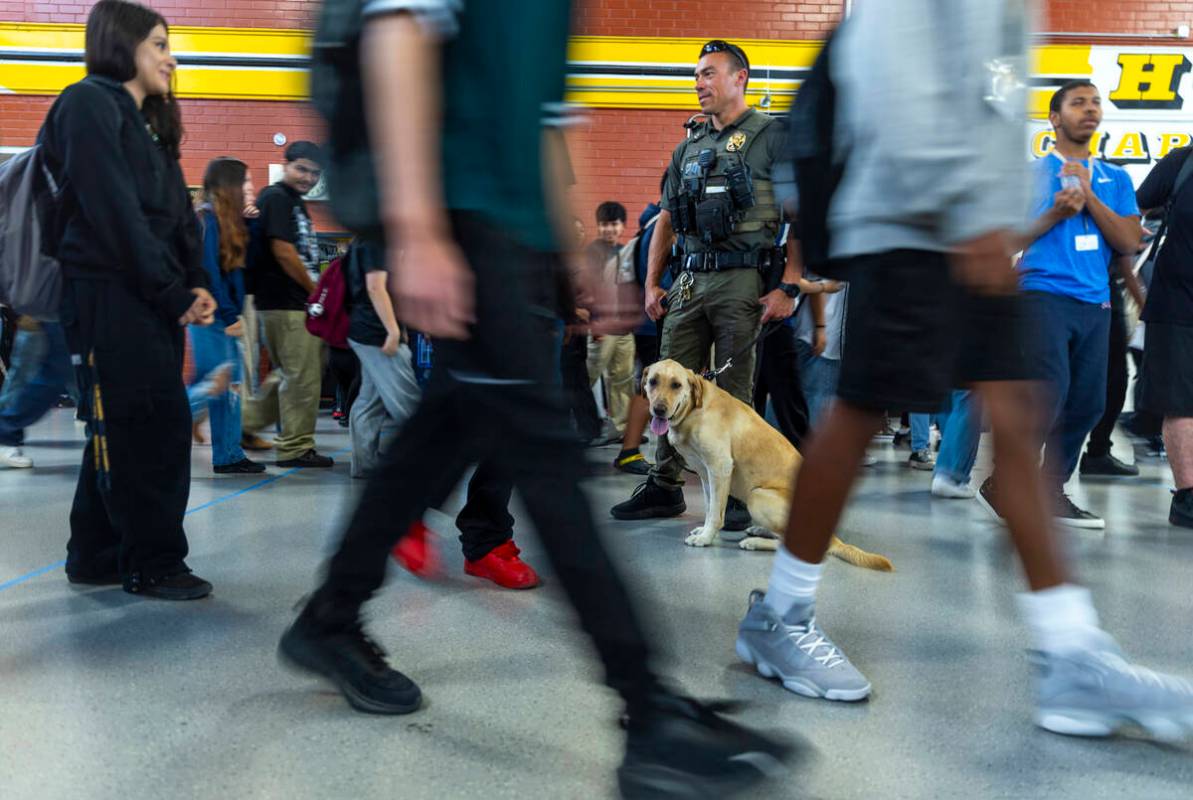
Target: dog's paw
{"points": [[757, 531], [758, 543], [700, 538]]}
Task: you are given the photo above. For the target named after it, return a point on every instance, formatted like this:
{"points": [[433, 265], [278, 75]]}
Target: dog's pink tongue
{"points": [[659, 426]]}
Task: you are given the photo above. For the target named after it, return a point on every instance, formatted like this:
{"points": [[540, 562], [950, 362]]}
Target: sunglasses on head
{"points": [[721, 46]]}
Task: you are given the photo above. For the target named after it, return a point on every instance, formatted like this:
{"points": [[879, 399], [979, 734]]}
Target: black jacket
{"points": [[128, 215]]}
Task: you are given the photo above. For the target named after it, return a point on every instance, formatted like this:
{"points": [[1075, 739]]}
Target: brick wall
{"points": [[212, 13], [1117, 16], [743, 19], [617, 154]]}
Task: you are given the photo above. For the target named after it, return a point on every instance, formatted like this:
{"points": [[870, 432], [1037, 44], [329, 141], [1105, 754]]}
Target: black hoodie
{"points": [[128, 215]]}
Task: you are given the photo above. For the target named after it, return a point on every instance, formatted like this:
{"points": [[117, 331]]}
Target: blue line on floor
{"points": [[271, 479]]}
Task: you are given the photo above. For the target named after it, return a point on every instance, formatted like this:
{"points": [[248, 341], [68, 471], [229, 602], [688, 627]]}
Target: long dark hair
{"points": [[115, 28], [223, 186]]}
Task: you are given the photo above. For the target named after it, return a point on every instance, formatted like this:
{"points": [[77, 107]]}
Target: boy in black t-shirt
{"points": [[285, 270]]}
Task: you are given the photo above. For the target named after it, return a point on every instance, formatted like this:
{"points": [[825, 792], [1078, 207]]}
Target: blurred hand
{"points": [[235, 329], [392, 342], [776, 306], [432, 286], [819, 342], [654, 302], [251, 211], [202, 310], [983, 265], [831, 287]]}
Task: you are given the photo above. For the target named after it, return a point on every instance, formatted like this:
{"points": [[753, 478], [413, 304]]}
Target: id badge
{"points": [[1086, 243]]}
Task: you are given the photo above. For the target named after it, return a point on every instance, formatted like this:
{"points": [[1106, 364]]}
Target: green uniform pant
{"points": [[722, 313], [297, 358]]}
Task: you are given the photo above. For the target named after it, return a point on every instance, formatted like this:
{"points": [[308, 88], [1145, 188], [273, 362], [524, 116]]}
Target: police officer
{"points": [[719, 207]]}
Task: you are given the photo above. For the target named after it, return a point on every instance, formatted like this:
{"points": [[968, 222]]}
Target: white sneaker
{"points": [[944, 486], [15, 458]]}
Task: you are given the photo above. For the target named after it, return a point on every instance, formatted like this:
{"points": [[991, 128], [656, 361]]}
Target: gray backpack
{"points": [[30, 276]]}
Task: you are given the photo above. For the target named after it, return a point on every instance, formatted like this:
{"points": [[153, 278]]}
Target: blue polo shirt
{"points": [[1053, 263]]}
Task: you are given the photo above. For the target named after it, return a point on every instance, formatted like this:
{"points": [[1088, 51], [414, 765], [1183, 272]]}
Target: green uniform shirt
{"points": [[504, 67], [761, 156]]}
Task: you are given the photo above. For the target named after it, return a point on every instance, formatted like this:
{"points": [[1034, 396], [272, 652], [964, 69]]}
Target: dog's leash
{"points": [[766, 331]]}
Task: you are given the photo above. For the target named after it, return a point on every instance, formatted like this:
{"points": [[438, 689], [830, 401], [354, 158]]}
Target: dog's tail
{"points": [[859, 557]]}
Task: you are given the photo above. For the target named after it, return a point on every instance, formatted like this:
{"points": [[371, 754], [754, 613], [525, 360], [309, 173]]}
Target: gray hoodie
{"points": [[931, 109]]}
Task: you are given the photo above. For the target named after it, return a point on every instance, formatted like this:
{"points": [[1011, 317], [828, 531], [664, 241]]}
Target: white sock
{"points": [[1061, 619], [792, 581]]}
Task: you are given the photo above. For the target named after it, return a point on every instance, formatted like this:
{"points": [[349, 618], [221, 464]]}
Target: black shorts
{"points": [[912, 335], [1166, 379]]}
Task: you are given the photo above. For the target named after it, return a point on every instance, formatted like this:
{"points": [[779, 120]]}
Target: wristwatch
{"points": [[790, 289]]}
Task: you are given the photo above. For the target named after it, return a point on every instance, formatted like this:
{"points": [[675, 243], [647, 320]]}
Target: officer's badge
{"points": [[735, 142]]}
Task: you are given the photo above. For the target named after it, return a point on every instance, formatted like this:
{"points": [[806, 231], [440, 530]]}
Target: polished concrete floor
{"points": [[103, 695]]}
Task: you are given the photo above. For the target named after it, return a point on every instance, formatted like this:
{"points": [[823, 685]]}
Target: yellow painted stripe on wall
{"points": [[594, 91]]}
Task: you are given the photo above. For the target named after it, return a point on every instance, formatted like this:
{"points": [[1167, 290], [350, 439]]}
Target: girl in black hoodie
{"points": [[130, 256]]}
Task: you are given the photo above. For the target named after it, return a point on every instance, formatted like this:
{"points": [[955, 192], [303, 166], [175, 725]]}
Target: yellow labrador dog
{"points": [[736, 452]]}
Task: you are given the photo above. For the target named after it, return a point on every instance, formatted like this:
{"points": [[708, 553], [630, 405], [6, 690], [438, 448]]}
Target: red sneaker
{"points": [[504, 568], [417, 551]]}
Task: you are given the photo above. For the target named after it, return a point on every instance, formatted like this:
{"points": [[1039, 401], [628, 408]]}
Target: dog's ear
{"points": [[696, 384], [645, 378]]}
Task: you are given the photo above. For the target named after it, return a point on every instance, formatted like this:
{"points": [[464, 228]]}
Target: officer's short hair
{"points": [[1058, 97], [610, 211], [737, 57]]}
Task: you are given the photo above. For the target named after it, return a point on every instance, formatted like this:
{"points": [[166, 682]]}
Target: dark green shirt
{"points": [[761, 156], [504, 66]]}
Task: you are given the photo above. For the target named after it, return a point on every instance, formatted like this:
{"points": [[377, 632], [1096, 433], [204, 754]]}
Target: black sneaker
{"points": [[1180, 513], [353, 662], [678, 748], [241, 467], [632, 463], [922, 460], [308, 459], [988, 497], [651, 500], [1067, 513], [737, 516], [1107, 466], [181, 585]]}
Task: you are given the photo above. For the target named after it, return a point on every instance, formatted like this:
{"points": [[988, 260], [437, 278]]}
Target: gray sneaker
{"points": [[1097, 692], [795, 650]]}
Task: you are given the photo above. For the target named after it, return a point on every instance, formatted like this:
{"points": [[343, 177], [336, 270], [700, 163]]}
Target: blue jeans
{"points": [[818, 378], [27, 401], [212, 349], [921, 430], [1071, 349], [960, 432]]}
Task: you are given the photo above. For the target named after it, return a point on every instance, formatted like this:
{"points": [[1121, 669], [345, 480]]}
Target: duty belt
{"points": [[720, 260]]}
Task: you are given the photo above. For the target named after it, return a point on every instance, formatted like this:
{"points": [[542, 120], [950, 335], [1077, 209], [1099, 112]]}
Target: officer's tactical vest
{"points": [[765, 212]]}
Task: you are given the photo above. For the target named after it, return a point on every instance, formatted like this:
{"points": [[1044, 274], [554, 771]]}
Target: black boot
{"points": [[677, 747], [1181, 511], [340, 651], [651, 500], [737, 516]]}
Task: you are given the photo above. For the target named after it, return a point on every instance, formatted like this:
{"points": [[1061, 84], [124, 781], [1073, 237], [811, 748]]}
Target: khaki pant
{"points": [[722, 314], [293, 397], [613, 357]]}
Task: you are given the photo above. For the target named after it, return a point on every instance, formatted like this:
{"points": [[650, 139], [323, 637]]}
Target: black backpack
{"points": [[818, 170], [30, 229], [337, 92]]}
